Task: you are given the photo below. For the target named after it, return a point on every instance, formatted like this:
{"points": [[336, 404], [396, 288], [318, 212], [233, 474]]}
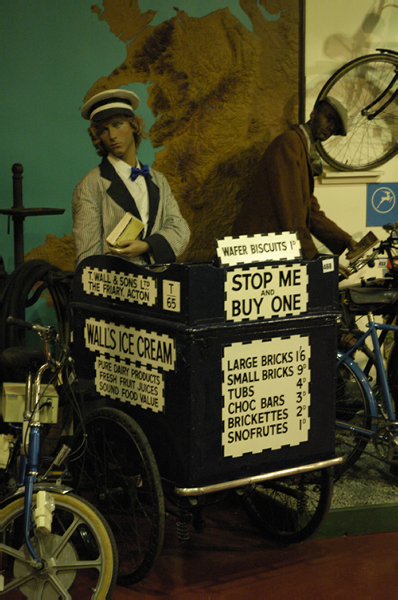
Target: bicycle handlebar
{"points": [[391, 227], [47, 330], [358, 264], [384, 246], [387, 51]]}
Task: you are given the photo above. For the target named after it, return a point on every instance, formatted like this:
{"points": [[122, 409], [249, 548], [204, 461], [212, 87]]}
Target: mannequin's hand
{"points": [[351, 244], [130, 248], [344, 273]]}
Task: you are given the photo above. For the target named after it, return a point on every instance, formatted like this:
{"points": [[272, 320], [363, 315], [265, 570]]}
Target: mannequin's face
{"points": [[324, 122], [118, 139]]}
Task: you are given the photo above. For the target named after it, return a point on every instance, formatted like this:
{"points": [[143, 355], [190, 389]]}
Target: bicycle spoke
{"points": [[368, 88]]}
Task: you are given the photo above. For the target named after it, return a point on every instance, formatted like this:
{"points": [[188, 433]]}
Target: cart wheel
{"points": [[117, 472], [292, 508]]}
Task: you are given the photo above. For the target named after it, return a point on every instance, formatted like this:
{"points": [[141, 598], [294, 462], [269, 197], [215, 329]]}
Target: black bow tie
{"points": [[136, 172]]}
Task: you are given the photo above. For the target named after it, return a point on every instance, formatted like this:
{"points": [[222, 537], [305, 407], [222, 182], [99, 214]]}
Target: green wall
{"points": [[53, 51]]}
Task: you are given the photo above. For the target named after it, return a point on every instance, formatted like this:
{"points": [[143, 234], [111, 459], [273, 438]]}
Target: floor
{"points": [[353, 555], [230, 559]]}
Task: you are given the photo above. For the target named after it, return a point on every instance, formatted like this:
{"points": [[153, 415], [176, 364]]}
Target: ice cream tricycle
{"points": [[205, 378]]}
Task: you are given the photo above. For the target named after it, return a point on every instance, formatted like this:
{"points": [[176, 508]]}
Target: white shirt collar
{"points": [[121, 167]]}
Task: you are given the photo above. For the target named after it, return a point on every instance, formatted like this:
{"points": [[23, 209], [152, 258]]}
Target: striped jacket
{"points": [[96, 212]]}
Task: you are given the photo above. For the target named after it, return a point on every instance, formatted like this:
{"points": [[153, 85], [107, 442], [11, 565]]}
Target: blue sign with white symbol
{"points": [[381, 204]]}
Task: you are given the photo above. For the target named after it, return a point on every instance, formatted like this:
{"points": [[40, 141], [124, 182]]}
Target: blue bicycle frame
{"points": [[30, 480], [373, 327]]}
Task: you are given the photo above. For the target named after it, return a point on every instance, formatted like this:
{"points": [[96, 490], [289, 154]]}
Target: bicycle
{"points": [[365, 405], [119, 474], [368, 88], [361, 414], [121, 478], [53, 543], [380, 295]]}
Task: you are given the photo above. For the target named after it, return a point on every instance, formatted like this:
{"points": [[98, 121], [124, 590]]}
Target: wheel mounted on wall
{"points": [[23, 289], [364, 86]]}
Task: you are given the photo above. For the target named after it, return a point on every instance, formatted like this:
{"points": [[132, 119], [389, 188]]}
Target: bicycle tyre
{"points": [[392, 373], [352, 409], [369, 143], [80, 552], [119, 475], [23, 289], [291, 509]]}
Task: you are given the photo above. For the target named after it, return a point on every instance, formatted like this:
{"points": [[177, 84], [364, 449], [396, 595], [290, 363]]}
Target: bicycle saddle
{"points": [[372, 295], [16, 361]]}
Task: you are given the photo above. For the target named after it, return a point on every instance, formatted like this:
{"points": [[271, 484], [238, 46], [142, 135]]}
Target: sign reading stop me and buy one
{"points": [[276, 290]]}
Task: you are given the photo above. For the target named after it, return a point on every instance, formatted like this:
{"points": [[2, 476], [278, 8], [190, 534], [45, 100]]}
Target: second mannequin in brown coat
{"points": [[282, 197]]}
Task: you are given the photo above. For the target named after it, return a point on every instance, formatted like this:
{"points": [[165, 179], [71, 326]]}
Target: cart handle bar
{"points": [[236, 483]]}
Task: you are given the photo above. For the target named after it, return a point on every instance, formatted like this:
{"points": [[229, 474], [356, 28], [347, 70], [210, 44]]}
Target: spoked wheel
{"points": [[290, 509], [352, 410], [392, 373], [364, 86], [80, 555], [118, 473]]}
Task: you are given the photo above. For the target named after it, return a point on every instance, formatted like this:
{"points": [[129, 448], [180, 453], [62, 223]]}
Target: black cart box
{"points": [[194, 294], [220, 400]]}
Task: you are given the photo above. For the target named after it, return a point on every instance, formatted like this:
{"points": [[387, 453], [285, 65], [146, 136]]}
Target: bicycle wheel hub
{"points": [[48, 544]]}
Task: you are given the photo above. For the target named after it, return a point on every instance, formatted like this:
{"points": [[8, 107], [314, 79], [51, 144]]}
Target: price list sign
{"points": [[266, 394]]}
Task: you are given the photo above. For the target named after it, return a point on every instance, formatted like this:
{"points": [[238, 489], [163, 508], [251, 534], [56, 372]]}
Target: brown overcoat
{"points": [[282, 197]]}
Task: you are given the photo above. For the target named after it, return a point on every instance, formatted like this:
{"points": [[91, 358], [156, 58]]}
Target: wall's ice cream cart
{"points": [[229, 369]]}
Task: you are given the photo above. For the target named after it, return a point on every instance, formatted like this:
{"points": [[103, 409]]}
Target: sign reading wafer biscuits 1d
{"points": [[274, 290], [262, 247]]}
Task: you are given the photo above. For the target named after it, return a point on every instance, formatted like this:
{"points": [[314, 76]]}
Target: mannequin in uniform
{"points": [[121, 184]]}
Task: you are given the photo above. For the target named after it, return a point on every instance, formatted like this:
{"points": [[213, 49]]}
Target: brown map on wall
{"points": [[219, 94]]}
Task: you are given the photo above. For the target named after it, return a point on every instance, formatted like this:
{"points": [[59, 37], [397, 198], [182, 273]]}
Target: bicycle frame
{"points": [[53, 541], [30, 480], [373, 328], [31, 434], [365, 111]]}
